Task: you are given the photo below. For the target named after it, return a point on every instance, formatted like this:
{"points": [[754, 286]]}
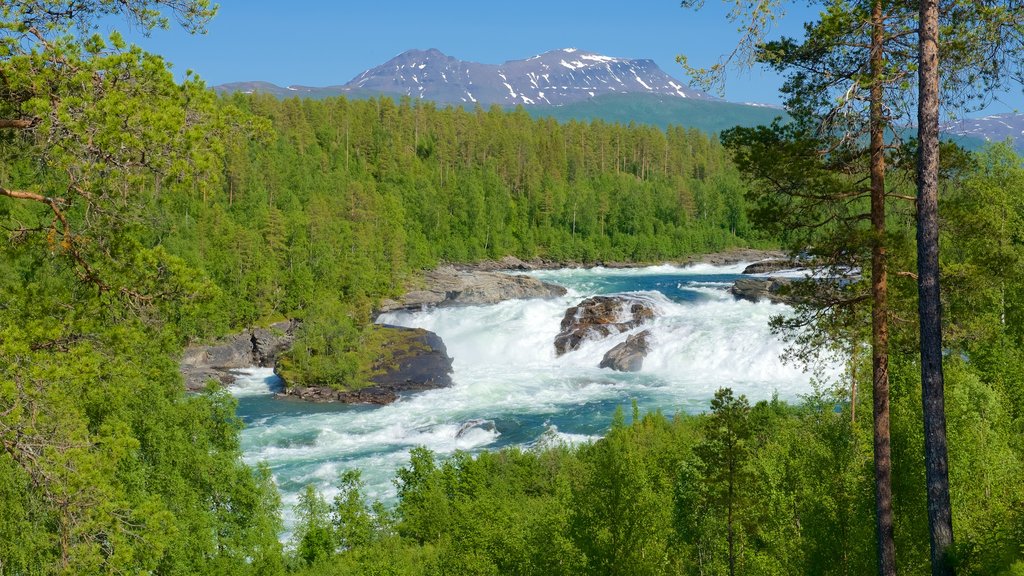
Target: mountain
{"points": [[994, 128], [554, 78]]}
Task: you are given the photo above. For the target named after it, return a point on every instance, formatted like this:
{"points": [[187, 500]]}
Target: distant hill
{"points": [[711, 116], [313, 92]]}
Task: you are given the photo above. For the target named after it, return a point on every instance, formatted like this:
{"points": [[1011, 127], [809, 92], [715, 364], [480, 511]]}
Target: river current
{"points": [[510, 388]]}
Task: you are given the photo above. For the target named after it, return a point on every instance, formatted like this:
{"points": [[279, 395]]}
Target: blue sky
{"points": [[320, 43]]}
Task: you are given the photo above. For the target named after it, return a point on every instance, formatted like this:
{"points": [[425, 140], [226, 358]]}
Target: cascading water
{"points": [[510, 388]]}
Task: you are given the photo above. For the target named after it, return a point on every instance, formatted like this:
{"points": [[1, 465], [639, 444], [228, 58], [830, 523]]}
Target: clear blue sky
{"points": [[320, 43]]}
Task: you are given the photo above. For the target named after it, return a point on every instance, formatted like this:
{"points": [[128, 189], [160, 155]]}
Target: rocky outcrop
{"points": [[599, 317], [417, 360], [769, 266], [449, 286], [254, 347], [628, 356], [757, 289]]}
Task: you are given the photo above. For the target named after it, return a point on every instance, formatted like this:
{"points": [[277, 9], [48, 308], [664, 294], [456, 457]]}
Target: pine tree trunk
{"points": [[929, 306], [880, 308]]}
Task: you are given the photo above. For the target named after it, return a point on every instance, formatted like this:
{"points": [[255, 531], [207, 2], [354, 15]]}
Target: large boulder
{"points": [[599, 317], [415, 360], [628, 356], [449, 286], [757, 289]]}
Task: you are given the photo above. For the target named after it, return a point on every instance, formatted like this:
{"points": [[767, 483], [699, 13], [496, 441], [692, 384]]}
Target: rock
{"points": [[418, 361], [481, 423], [755, 289], [268, 342], [449, 286], [255, 347], [628, 356], [769, 266], [598, 317]]}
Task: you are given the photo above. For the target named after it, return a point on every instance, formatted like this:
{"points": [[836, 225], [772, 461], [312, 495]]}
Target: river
{"points": [[510, 388]]}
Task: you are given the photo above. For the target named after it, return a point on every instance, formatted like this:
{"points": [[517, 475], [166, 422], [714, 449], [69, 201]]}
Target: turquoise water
{"points": [[510, 389]]}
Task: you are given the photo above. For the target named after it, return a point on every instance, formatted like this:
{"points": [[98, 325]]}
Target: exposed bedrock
{"points": [[253, 347]]}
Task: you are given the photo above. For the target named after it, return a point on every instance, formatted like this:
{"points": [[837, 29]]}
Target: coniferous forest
{"points": [[142, 213]]}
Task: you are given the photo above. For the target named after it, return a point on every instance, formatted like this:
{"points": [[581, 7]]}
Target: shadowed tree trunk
{"points": [[940, 523]]}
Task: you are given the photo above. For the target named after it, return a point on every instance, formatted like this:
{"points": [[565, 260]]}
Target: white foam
{"points": [[254, 382]]}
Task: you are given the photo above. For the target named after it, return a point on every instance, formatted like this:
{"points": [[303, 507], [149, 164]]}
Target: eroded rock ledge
{"points": [[253, 347]]}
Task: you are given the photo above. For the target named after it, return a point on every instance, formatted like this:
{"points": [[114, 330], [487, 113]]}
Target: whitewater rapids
{"points": [[510, 388]]}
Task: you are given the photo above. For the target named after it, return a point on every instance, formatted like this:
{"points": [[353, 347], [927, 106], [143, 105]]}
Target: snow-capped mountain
{"points": [[553, 78], [556, 77], [994, 128]]}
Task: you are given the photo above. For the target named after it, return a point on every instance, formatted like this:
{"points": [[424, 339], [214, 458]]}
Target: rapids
{"points": [[510, 389]]}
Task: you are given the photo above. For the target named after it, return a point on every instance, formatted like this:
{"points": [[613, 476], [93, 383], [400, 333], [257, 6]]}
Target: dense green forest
{"points": [[339, 202], [141, 214]]}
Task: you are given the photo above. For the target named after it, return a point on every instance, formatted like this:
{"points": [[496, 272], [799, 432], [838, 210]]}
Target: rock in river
{"points": [[771, 265], [599, 317], [754, 289], [629, 355], [415, 360]]}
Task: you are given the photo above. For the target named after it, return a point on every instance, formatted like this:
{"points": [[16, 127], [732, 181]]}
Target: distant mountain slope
{"points": [[711, 116], [994, 128], [316, 93]]}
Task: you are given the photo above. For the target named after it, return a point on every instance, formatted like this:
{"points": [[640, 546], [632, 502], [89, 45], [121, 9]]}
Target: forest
{"points": [[142, 213]]}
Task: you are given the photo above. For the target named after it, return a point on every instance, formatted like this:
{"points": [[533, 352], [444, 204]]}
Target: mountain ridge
{"points": [[554, 78]]}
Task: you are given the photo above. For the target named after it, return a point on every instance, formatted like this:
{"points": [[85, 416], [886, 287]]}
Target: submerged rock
{"points": [[416, 360], [449, 286], [254, 347], [599, 317], [481, 423], [628, 356]]}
